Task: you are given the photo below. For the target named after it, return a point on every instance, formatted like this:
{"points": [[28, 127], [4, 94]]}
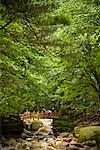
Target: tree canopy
{"points": [[50, 54]]}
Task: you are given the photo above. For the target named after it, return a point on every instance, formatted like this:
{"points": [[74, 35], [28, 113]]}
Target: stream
{"points": [[44, 139]]}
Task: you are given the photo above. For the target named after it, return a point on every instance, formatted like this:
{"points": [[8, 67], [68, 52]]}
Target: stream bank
{"points": [[44, 139], [65, 141]]}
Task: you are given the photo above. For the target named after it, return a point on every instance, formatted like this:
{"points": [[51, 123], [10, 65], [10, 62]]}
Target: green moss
{"points": [[63, 124], [36, 124], [76, 131], [91, 132]]}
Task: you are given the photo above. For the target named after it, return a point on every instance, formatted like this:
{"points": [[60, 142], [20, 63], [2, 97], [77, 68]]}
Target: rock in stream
{"points": [[44, 139]]}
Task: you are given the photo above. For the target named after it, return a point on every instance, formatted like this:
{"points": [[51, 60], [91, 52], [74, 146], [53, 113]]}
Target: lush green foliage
{"points": [[50, 54]]}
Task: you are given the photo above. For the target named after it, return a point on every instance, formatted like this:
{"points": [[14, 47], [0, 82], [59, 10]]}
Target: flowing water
{"points": [[43, 139]]}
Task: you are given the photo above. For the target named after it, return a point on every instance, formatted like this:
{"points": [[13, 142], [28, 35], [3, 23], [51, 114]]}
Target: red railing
{"points": [[38, 115]]}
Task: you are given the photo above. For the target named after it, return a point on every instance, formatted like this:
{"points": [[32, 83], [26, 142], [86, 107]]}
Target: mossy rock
{"points": [[88, 133], [76, 131], [36, 124]]}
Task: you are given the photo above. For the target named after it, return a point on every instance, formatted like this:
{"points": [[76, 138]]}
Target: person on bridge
{"points": [[49, 113]]}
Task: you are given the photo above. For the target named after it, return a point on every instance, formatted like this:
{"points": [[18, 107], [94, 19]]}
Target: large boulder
{"points": [[44, 131], [36, 124], [90, 132], [33, 125]]}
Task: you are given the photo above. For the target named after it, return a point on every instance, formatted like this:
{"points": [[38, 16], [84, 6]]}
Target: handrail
{"points": [[41, 115]]}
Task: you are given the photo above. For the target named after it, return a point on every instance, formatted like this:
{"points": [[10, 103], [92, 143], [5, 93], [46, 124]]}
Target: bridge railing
{"points": [[41, 115]]}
